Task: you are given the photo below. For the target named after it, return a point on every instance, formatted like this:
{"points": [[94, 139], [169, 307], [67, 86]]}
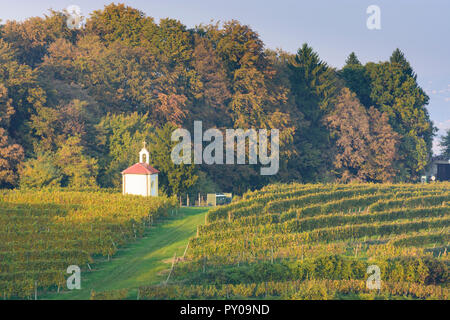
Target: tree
{"points": [[11, 155], [32, 37], [118, 23], [53, 125], [394, 91], [352, 60], [248, 71], [120, 139], [392, 88], [445, 144], [80, 102], [40, 172], [117, 76], [174, 179], [121, 78], [356, 79], [211, 94], [365, 144], [383, 153], [20, 96], [314, 87], [239, 46], [171, 43], [79, 169], [398, 58]]}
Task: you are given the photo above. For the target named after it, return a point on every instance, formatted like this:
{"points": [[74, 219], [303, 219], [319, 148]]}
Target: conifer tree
{"points": [[445, 144]]}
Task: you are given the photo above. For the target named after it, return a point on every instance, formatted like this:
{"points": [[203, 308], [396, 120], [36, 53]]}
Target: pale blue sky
{"points": [[421, 29]]}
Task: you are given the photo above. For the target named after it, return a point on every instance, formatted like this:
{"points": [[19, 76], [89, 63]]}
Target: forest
{"points": [[76, 105]]}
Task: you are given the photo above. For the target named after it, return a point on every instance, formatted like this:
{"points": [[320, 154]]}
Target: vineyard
{"points": [[285, 241], [293, 241], [42, 233]]}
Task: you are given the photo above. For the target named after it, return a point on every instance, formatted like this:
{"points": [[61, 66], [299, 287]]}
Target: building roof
{"points": [[440, 158], [140, 168]]}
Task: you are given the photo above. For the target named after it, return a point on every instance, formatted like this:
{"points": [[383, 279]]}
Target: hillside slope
{"points": [[145, 261], [43, 232], [316, 241]]}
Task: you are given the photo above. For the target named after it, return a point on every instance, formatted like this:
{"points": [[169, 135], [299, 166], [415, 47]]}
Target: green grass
{"points": [[144, 262]]}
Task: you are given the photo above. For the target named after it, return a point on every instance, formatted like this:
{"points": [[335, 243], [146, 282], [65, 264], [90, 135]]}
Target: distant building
{"points": [[439, 168], [141, 178], [218, 199]]}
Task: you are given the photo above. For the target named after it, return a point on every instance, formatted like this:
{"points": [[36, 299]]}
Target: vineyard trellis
{"points": [[44, 232], [284, 228]]}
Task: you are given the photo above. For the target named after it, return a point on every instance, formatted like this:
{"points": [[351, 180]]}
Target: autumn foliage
{"points": [[59, 88]]}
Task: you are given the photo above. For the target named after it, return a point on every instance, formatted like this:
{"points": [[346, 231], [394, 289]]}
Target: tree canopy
{"points": [[75, 105]]}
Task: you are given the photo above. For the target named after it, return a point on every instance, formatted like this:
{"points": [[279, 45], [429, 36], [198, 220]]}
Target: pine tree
{"points": [[398, 57], [314, 87], [356, 79], [395, 91], [352, 60], [445, 144]]}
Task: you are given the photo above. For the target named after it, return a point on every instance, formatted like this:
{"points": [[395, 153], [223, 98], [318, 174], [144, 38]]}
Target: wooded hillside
{"points": [[75, 105]]}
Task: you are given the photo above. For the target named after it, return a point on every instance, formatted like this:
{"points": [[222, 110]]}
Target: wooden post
{"points": [[272, 254], [173, 263], [185, 250]]}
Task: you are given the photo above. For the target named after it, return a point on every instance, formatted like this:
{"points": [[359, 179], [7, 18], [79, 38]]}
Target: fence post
{"points": [[173, 264], [187, 246], [271, 249]]}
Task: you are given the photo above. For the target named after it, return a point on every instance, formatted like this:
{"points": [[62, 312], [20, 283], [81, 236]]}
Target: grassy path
{"points": [[143, 262]]}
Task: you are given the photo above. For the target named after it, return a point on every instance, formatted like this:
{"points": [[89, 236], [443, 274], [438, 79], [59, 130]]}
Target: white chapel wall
{"points": [[136, 184]]}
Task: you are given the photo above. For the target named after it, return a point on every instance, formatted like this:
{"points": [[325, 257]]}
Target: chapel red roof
{"points": [[140, 168]]}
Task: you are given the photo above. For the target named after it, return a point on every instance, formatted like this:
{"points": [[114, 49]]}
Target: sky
{"points": [[420, 28]]}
